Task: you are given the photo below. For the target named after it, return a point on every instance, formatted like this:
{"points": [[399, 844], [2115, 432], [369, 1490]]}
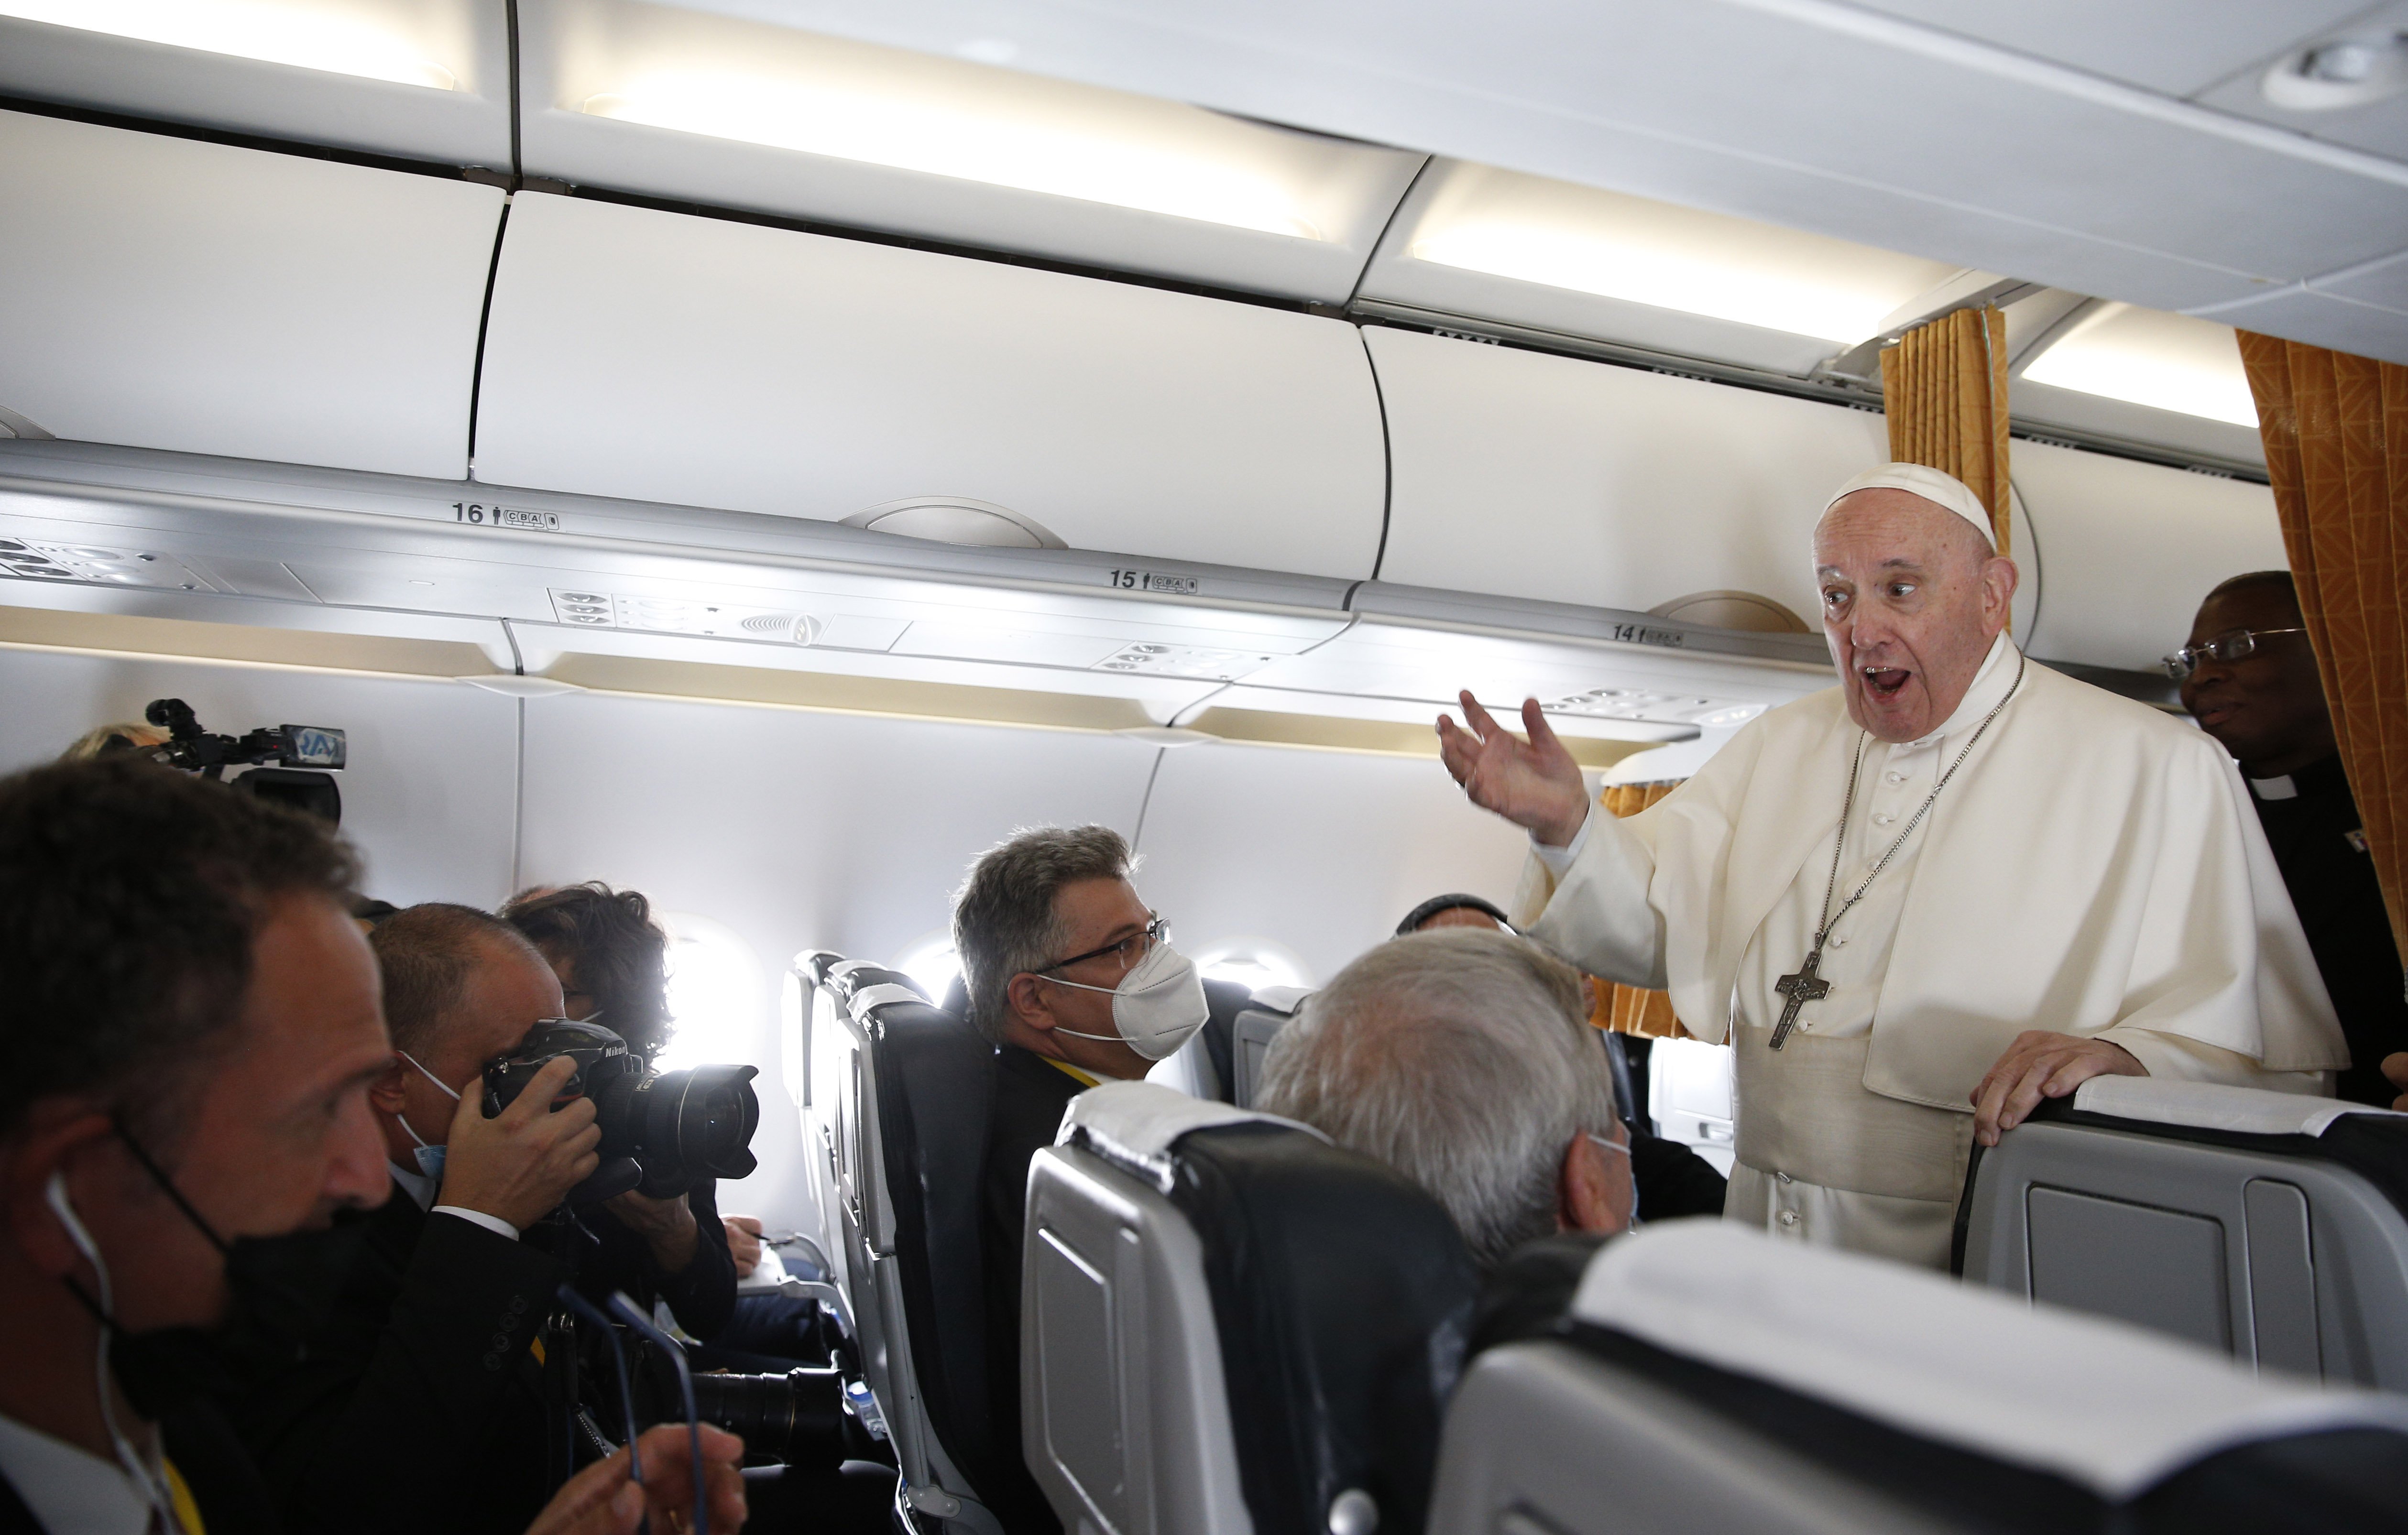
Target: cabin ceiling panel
{"points": [[426, 80], [2302, 312], [1803, 113], [2379, 126], [165, 292], [670, 102], [2179, 46], [644, 354]]}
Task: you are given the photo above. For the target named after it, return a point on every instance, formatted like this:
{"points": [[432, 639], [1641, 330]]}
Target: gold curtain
{"points": [[1628, 1010], [1945, 389], [2336, 433]]}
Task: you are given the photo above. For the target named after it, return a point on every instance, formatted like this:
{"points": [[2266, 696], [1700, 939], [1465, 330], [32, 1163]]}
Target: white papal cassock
{"points": [[2095, 868]]}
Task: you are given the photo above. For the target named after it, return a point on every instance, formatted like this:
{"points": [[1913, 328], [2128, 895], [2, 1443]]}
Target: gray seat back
{"points": [[1229, 1325], [1124, 1413], [1251, 1034], [2262, 1225], [1713, 1378]]}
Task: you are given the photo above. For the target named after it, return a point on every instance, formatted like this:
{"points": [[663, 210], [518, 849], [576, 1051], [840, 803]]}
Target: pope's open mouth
{"points": [[1885, 682]]}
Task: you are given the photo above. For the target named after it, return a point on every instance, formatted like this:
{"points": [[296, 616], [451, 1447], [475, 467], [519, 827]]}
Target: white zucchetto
{"points": [[1933, 485]]}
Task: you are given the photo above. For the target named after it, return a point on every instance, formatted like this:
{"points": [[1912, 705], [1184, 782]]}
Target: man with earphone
{"points": [[190, 1022]]}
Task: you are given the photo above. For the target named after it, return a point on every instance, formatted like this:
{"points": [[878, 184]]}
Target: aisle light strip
{"points": [[1590, 262], [2093, 360], [931, 138], [270, 33]]}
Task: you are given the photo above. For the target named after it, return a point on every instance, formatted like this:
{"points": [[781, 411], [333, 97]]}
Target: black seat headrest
{"points": [[1342, 1296], [936, 1092]]}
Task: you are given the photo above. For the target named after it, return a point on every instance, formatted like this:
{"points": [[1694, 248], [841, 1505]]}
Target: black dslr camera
{"points": [[662, 1131], [296, 752]]}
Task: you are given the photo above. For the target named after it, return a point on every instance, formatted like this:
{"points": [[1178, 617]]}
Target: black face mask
{"points": [[279, 1289]]}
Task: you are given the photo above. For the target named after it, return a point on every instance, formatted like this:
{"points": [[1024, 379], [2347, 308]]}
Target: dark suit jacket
{"points": [[1029, 1097], [419, 1406], [1671, 1179], [2319, 841], [702, 1293]]}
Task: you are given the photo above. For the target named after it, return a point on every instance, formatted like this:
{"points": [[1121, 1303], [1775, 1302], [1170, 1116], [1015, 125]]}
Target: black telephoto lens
{"points": [[798, 1417]]}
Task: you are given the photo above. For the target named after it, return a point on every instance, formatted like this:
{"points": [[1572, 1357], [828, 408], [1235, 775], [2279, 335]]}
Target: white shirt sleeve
{"points": [[495, 1224], [1558, 861]]}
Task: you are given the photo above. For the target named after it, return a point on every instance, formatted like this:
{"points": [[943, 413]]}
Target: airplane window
{"points": [[1254, 963], [930, 960], [714, 993]]}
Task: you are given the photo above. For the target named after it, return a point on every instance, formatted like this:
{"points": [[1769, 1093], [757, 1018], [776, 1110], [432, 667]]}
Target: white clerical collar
{"points": [[1990, 684], [2278, 787], [415, 1184], [66, 1487]]}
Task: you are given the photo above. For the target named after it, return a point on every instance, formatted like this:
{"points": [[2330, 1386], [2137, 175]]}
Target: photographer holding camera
{"points": [[422, 1392], [193, 1027], [611, 958]]}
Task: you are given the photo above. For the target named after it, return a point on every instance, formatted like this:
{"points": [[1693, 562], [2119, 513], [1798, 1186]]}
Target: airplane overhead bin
{"points": [[1525, 475], [165, 292], [701, 362]]}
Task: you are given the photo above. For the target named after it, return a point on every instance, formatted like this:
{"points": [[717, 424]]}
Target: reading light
{"points": [[714, 993], [271, 31], [1529, 229], [2338, 72], [968, 140], [2169, 362]]}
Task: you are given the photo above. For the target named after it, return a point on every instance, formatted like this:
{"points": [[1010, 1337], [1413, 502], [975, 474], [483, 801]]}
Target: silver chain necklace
{"points": [[1804, 985]]}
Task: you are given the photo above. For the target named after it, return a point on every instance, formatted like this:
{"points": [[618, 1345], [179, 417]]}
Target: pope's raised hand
{"points": [[1534, 784]]}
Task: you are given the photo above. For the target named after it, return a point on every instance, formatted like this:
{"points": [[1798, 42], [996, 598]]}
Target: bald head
{"points": [[1913, 598], [437, 960]]}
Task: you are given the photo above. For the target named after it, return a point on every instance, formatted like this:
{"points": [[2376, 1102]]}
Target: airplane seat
{"points": [[2269, 1225], [1251, 1033], [1712, 1377], [902, 1093], [1231, 1326]]}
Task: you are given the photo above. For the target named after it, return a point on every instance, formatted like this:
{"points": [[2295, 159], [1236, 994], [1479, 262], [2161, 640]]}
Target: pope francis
{"points": [[1921, 901]]}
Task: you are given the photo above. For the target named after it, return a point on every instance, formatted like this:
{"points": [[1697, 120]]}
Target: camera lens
{"points": [[798, 1417], [698, 1123]]}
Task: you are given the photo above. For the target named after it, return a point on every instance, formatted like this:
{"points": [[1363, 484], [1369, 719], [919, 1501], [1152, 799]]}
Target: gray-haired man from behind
{"points": [[1463, 1059]]}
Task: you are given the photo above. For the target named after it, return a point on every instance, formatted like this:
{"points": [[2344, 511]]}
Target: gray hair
{"points": [[1462, 1058], [1004, 920]]}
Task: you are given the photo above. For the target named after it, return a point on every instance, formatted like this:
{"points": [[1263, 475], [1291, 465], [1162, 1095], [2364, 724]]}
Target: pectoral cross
{"points": [[1801, 988]]}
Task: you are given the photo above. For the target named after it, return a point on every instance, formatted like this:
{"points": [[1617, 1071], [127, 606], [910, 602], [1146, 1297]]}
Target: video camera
{"points": [[662, 1131], [297, 752]]}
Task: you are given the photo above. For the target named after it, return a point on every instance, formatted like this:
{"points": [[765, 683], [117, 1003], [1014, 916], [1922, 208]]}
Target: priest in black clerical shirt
{"points": [[2249, 678]]}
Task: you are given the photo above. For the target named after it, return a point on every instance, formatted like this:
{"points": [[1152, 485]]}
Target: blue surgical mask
{"points": [[430, 1158]]}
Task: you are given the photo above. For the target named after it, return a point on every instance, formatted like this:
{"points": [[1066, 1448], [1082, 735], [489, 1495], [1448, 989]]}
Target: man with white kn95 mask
{"points": [[1922, 901]]}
